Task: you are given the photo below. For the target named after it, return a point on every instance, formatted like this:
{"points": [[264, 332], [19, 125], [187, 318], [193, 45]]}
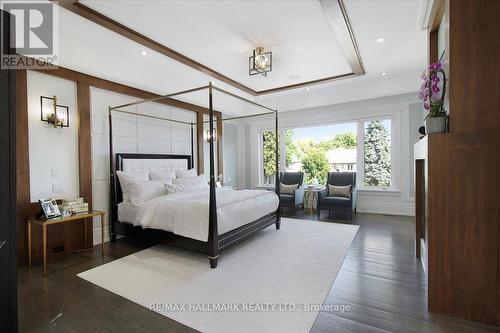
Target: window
{"points": [[320, 149], [317, 150], [377, 153]]}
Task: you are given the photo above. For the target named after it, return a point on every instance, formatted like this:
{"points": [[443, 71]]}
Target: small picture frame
{"points": [[50, 208]]}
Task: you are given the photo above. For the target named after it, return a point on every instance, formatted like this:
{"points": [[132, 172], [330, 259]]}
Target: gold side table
{"points": [[72, 218]]}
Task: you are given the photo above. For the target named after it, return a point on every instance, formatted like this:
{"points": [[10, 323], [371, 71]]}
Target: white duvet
{"points": [[186, 214]]}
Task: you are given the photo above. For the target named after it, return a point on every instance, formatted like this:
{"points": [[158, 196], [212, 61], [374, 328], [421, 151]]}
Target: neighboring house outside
{"points": [[342, 159]]}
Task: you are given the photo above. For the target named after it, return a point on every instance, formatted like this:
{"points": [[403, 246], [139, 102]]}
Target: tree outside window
{"points": [[269, 157], [378, 153]]}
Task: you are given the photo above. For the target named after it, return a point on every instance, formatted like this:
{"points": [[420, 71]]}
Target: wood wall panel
{"points": [[85, 151], [463, 186], [474, 67], [199, 143], [464, 211]]}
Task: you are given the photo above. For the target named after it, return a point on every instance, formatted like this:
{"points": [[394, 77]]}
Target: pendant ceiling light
{"points": [[260, 62]]}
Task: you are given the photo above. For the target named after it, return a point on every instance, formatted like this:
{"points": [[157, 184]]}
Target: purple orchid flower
{"points": [[435, 66]]}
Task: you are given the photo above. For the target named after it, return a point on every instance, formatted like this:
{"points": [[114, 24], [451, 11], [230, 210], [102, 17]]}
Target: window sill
{"points": [[378, 190]]}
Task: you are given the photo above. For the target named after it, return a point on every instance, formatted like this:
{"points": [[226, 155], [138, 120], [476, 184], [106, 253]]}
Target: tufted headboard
{"points": [[142, 162]]}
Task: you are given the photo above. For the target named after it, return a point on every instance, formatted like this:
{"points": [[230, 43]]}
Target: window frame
{"points": [[360, 159]]}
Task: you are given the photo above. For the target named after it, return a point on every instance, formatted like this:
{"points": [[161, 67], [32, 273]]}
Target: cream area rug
{"points": [[275, 281]]}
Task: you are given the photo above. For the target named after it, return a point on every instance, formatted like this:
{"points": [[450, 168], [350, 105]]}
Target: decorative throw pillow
{"points": [[179, 188], [142, 191], [288, 189], [162, 174], [186, 173], [192, 180], [126, 178], [339, 191]]}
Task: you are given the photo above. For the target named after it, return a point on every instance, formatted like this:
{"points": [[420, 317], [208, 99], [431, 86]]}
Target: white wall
{"points": [[131, 134], [52, 149], [397, 201], [230, 150]]}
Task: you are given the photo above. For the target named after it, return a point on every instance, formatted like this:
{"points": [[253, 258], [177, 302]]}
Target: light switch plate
{"points": [[56, 173], [57, 188]]}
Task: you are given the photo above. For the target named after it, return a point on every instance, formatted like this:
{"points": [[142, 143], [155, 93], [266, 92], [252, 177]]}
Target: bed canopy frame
{"points": [[215, 241]]}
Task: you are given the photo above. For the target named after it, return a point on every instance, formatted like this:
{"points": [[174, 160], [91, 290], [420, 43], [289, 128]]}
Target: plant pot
{"points": [[435, 124]]}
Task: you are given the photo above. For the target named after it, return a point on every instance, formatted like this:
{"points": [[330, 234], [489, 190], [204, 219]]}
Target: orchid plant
{"points": [[430, 92]]}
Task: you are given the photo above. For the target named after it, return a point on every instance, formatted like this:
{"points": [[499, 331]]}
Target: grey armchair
{"points": [[339, 203], [297, 198]]}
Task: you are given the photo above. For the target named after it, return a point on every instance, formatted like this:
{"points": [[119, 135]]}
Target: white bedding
{"points": [[186, 214]]}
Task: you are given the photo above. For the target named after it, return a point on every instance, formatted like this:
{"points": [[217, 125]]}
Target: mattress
{"points": [[186, 214]]}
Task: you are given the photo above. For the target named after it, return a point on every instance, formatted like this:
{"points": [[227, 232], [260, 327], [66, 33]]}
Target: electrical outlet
{"points": [[57, 188], [56, 173]]}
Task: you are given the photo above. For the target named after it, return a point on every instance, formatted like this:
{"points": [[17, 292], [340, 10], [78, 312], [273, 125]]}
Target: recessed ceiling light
{"points": [[383, 73], [144, 53], [380, 40], [307, 88]]}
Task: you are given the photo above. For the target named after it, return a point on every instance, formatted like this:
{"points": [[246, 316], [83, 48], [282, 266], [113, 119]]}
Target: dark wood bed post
{"points": [[112, 183], [277, 182], [192, 145], [213, 235]]}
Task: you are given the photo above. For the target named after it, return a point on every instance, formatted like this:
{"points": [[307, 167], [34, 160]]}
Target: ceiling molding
{"points": [[431, 14], [97, 82], [337, 17], [334, 10]]}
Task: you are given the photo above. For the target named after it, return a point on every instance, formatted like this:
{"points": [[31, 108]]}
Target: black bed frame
{"points": [[216, 243]]}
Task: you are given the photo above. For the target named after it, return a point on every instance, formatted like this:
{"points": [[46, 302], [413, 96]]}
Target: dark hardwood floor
{"points": [[380, 280]]}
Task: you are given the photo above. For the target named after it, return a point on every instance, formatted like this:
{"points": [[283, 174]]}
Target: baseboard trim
{"points": [[385, 208]]}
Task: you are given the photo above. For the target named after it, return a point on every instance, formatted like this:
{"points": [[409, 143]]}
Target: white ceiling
{"points": [[218, 37], [222, 35]]}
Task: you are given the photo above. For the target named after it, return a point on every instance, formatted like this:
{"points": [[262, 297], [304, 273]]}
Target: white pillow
{"points": [[186, 173], [192, 180], [142, 191], [179, 188], [162, 174], [126, 178]]}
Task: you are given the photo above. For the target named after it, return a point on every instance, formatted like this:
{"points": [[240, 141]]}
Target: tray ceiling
{"points": [[221, 35]]}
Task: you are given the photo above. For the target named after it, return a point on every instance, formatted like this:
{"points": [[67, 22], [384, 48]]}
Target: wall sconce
{"points": [[260, 62], [52, 113], [209, 137]]}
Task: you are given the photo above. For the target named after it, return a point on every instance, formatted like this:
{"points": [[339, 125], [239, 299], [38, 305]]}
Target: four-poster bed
{"points": [[238, 219]]}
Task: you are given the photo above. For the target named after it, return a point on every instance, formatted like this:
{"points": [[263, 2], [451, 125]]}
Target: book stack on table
{"points": [[75, 206]]}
